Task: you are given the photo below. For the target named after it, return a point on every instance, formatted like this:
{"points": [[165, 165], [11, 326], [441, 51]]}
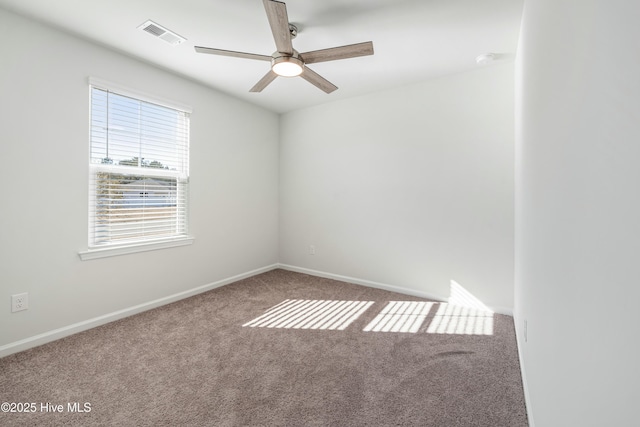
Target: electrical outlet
{"points": [[19, 302], [312, 250]]}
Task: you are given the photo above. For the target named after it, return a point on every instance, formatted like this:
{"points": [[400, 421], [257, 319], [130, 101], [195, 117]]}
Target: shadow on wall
{"points": [[464, 314]]}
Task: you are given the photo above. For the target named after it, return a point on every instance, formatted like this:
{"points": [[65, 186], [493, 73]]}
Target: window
{"points": [[139, 171]]}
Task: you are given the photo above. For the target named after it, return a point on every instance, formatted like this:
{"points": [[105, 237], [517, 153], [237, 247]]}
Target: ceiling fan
{"points": [[286, 61]]}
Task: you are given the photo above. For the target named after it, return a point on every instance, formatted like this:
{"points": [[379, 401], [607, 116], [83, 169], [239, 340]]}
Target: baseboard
{"points": [[65, 331], [525, 385], [378, 285], [362, 282]]}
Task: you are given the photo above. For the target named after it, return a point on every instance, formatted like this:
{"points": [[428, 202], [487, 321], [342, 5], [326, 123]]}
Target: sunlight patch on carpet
{"points": [[311, 314], [455, 319], [400, 316]]}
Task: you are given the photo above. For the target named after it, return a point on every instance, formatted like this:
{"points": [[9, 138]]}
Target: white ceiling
{"points": [[414, 40]]}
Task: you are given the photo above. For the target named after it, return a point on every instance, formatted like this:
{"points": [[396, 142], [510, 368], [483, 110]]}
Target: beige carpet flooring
{"points": [[277, 349]]}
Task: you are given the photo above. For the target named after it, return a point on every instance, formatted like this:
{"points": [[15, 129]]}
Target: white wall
{"points": [[578, 211], [44, 119], [411, 187]]}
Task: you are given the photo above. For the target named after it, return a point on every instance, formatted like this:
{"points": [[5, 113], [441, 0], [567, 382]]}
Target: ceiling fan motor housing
{"points": [[293, 30]]}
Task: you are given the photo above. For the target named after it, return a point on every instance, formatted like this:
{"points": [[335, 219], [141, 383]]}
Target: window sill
{"points": [[130, 249]]}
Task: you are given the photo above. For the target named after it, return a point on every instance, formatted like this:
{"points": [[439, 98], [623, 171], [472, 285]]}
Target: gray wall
{"points": [[410, 188], [44, 128], [578, 211]]}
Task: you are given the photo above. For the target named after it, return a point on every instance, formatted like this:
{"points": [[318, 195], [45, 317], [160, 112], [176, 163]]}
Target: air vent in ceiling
{"points": [[162, 33]]}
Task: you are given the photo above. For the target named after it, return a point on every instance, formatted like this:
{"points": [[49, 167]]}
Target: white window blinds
{"points": [[139, 171]]}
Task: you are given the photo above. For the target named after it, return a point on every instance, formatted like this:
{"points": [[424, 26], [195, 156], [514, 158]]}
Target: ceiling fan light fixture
{"points": [[287, 66]]}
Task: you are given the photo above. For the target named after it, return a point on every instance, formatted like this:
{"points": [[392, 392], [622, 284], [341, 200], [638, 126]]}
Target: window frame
{"points": [[115, 249]]}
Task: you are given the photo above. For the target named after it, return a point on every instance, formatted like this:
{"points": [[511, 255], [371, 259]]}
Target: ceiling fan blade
{"points": [[264, 82], [279, 22], [342, 52], [317, 80], [233, 53]]}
